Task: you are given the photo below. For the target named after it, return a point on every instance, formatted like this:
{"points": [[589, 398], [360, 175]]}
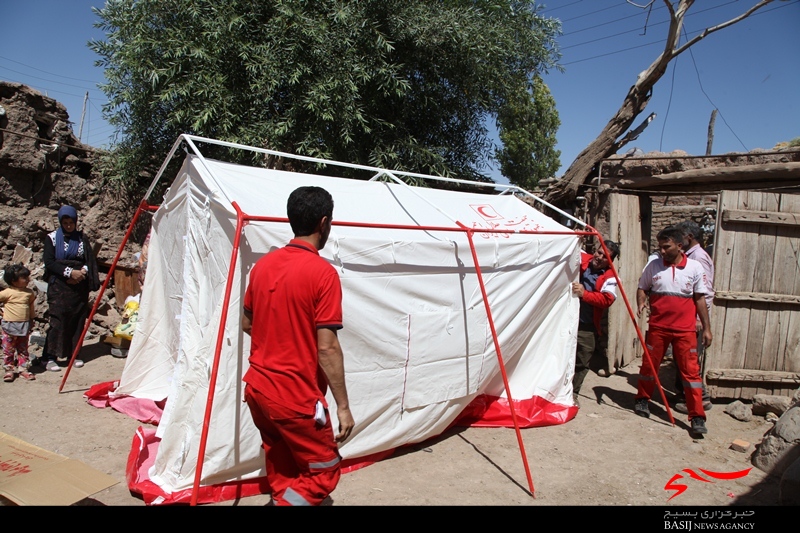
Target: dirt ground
{"points": [[606, 456]]}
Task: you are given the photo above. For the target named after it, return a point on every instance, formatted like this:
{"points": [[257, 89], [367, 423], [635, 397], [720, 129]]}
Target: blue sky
{"points": [[749, 71]]}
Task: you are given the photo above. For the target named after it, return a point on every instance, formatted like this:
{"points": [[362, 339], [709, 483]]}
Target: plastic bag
{"points": [[130, 316]]}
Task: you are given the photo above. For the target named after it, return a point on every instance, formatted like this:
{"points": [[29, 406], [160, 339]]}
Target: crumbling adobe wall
{"points": [[42, 167]]}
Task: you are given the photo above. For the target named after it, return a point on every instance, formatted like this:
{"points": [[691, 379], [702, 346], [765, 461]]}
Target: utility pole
{"points": [[83, 114], [711, 131]]}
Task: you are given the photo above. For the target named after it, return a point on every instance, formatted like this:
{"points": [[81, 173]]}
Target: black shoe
{"points": [[681, 406], [699, 426], [642, 407]]}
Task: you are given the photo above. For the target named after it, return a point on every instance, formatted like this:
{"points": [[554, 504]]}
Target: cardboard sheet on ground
{"points": [[30, 475]]}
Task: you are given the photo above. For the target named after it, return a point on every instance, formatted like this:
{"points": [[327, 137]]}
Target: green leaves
{"points": [[402, 84], [527, 125]]}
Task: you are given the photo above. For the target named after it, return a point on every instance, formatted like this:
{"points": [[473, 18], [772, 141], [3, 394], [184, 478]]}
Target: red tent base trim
{"points": [[483, 411], [141, 458], [143, 454], [146, 411], [492, 411]]}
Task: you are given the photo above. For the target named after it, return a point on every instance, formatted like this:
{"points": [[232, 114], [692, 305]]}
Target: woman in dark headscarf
{"points": [[71, 273]]}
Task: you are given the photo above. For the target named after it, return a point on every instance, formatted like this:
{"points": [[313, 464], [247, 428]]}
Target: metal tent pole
{"points": [[635, 324], [500, 358], [217, 350]]}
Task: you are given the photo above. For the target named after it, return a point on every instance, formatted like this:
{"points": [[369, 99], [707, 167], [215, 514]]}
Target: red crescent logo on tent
{"points": [[486, 211]]}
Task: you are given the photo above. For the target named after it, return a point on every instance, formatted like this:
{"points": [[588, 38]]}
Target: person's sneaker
{"points": [[681, 406], [78, 363], [699, 426], [604, 373], [52, 366], [642, 407]]}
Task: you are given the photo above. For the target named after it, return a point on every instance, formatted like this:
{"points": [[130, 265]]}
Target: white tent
{"points": [[418, 340]]}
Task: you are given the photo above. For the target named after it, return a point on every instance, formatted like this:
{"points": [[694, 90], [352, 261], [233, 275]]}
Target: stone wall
{"points": [[669, 210]]}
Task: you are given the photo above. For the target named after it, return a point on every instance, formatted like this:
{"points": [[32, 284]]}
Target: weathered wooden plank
{"points": [[725, 389], [723, 247], [786, 280], [791, 356], [785, 172], [743, 271], [762, 251], [757, 297], [766, 376], [770, 202], [788, 242], [762, 217], [625, 228]]}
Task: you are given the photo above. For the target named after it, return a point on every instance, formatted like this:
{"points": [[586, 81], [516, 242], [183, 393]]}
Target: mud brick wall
{"points": [[669, 210]]}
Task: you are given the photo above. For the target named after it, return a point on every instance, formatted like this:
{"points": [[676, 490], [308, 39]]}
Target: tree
{"points": [[402, 85], [635, 101], [527, 126]]}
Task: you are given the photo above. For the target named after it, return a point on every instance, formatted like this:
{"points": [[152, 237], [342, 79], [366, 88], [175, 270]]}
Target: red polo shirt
{"points": [[292, 292], [672, 289]]}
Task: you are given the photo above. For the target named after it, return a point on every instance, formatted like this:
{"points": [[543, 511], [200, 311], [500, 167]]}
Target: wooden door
{"points": [[625, 227], [756, 313]]}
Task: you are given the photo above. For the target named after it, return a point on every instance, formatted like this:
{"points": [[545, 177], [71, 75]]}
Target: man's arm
{"points": [[247, 321], [641, 301], [601, 299], [702, 312], [331, 360]]}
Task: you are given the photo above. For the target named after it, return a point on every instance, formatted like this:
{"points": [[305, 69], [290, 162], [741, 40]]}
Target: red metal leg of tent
{"points": [[635, 324], [500, 359], [217, 350]]}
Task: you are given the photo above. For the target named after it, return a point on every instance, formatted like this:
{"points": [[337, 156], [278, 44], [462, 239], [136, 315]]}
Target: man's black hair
{"points": [[671, 233], [13, 272], [613, 248], [306, 207], [690, 227]]}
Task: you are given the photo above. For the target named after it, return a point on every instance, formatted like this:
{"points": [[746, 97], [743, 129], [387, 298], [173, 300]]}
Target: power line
{"points": [[688, 16], [548, 10], [700, 82], [47, 72], [669, 104], [51, 81]]}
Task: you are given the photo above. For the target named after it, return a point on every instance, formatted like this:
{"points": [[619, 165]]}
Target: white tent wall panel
{"points": [[151, 358], [416, 339], [233, 447]]}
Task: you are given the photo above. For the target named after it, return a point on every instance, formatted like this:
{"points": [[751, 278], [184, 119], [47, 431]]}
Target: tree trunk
{"points": [[579, 172]]}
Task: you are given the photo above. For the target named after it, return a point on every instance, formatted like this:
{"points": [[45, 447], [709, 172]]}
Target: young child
{"points": [[18, 314]]}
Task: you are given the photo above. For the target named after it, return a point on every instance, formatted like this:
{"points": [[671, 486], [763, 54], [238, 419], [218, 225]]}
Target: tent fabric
{"points": [[416, 338]]}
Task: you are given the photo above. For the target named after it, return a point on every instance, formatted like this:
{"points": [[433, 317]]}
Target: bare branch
{"points": [[718, 27]]}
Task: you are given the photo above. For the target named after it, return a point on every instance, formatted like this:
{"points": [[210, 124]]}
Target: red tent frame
{"points": [[243, 219]]}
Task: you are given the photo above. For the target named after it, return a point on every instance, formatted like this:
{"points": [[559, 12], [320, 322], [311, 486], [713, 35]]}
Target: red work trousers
{"points": [[302, 459], [684, 352]]}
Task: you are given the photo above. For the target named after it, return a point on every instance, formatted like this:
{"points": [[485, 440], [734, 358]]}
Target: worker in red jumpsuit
{"points": [[675, 287], [292, 312]]}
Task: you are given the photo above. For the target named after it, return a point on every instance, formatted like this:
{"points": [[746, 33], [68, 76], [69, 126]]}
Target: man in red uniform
{"points": [[292, 311], [597, 290], [676, 289]]}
